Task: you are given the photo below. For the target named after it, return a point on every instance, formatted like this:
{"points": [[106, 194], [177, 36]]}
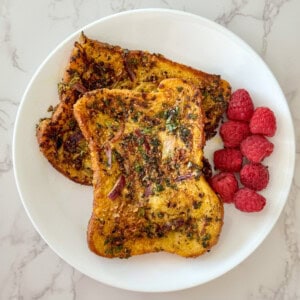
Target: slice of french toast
{"points": [[95, 65], [149, 190]]}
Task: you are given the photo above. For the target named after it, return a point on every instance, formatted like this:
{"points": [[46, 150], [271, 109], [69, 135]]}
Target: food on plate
{"points": [[254, 176], [263, 122], [256, 148], [248, 200], [244, 142], [149, 190], [225, 185], [233, 132], [228, 160], [240, 107], [94, 65]]}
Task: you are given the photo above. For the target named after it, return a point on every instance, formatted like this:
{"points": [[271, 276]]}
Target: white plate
{"points": [[60, 209]]}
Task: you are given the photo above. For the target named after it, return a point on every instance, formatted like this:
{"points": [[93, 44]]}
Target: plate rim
{"points": [[208, 23]]}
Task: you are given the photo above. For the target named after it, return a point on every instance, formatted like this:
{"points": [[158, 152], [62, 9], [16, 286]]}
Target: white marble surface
{"points": [[29, 30]]}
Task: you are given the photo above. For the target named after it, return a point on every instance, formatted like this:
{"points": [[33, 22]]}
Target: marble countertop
{"points": [[29, 30]]}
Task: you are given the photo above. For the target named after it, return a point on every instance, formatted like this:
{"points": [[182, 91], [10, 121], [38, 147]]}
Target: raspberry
{"points": [[228, 160], [248, 200], [224, 184], [256, 148], [233, 132], [263, 121], [240, 106], [254, 176]]}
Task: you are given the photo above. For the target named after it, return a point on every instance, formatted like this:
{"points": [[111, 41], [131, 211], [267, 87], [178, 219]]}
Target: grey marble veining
{"points": [[29, 268]]}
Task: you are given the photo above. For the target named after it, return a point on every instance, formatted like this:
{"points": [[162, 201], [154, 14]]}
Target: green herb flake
{"points": [[133, 61], [118, 248], [160, 215], [106, 101], [192, 116], [108, 123], [135, 117], [143, 153], [171, 117], [72, 124], [117, 156], [147, 130], [141, 212], [138, 168], [190, 235], [159, 187], [196, 204], [205, 240], [140, 141], [169, 184], [184, 134], [107, 240], [171, 127], [74, 79], [155, 142]]}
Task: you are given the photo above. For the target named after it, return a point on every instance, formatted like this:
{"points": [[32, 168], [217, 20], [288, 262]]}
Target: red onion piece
{"points": [[138, 132], [119, 133], [184, 177], [147, 146], [117, 188], [79, 87], [129, 70], [148, 191]]}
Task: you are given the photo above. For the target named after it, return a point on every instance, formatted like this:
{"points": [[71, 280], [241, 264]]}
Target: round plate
{"points": [[60, 209]]}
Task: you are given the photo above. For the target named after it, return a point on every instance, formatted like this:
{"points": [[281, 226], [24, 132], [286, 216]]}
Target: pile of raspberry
{"points": [[245, 147]]}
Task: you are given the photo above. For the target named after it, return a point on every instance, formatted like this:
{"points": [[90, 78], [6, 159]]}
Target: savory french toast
{"points": [[146, 150], [95, 65]]}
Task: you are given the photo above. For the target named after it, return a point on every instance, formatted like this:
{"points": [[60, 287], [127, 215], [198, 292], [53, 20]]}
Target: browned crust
{"points": [[123, 74], [213, 207]]}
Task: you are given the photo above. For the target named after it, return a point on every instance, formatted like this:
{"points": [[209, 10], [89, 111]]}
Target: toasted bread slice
{"points": [[149, 192], [95, 65]]}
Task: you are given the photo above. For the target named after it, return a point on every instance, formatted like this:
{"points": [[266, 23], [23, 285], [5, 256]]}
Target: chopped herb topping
{"points": [[192, 116], [106, 101], [147, 130], [155, 142], [196, 204], [135, 118], [160, 215], [185, 134], [117, 156], [141, 141], [159, 187], [72, 124], [205, 240], [141, 212], [138, 168]]}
